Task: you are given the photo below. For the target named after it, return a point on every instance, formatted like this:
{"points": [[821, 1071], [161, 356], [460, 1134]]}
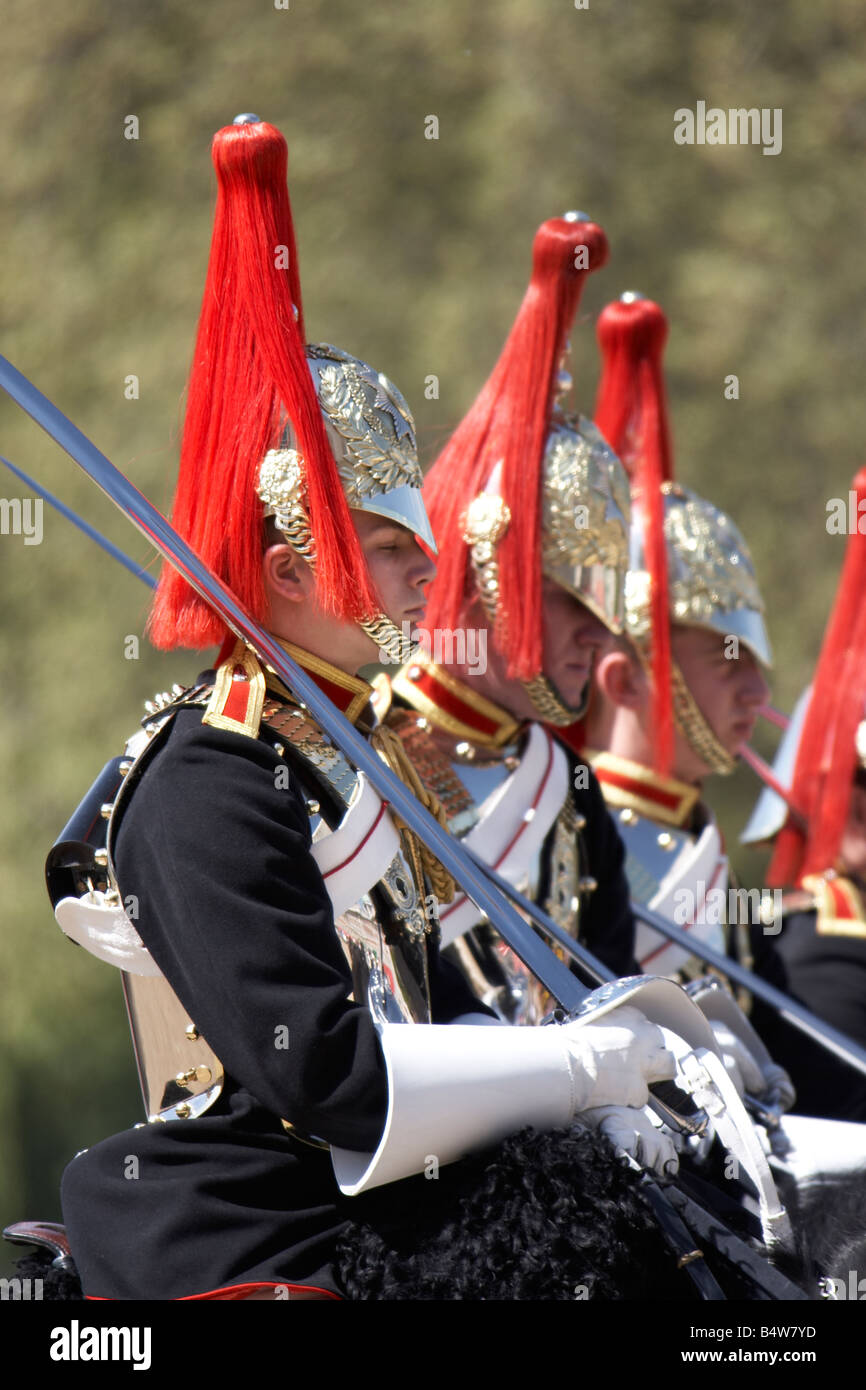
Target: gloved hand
{"points": [[634, 1131], [613, 1061], [777, 1080], [745, 1072]]}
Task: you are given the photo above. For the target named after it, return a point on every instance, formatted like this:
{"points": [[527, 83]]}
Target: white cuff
{"points": [[454, 1088]]}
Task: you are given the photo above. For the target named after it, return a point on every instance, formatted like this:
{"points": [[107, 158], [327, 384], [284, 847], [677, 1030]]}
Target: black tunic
{"points": [[233, 909], [827, 973]]}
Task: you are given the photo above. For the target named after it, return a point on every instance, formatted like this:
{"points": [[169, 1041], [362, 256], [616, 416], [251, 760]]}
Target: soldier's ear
{"points": [[621, 680], [286, 574]]}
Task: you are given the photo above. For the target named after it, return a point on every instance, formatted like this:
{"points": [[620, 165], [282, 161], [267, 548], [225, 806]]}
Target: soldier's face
{"points": [[729, 689], [573, 639], [400, 570]]}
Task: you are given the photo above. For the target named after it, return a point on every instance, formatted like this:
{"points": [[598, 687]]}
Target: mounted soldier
{"points": [[674, 702], [309, 1060]]}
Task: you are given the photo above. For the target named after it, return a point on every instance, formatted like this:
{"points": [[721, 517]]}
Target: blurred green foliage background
{"points": [[414, 255]]}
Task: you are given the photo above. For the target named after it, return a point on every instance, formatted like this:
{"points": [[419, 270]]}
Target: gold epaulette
{"points": [[452, 705], [238, 694], [839, 904], [633, 787], [242, 686]]}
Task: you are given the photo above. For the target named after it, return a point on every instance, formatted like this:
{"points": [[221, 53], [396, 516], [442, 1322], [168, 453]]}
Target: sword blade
{"points": [[791, 1010], [82, 525], [794, 1013]]}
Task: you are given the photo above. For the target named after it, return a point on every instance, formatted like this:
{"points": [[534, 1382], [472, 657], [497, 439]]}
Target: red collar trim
{"points": [[628, 784], [350, 694], [453, 706]]}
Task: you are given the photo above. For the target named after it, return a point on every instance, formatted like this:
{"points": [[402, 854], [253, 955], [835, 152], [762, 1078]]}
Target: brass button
{"points": [[199, 1073]]}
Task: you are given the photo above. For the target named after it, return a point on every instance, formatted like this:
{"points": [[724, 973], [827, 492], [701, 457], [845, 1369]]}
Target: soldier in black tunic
{"points": [[282, 940]]}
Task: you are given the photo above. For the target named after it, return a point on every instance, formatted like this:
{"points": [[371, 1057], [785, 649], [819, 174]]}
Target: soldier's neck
{"points": [[624, 733], [343, 646]]}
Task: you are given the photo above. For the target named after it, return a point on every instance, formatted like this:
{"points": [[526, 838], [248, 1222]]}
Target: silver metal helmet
{"points": [[372, 436], [585, 517], [711, 577]]}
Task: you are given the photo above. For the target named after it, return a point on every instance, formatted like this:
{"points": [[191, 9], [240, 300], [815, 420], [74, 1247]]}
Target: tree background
{"points": [[414, 255]]}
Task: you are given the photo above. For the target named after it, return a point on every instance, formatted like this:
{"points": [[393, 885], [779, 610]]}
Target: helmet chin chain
{"points": [[695, 729], [489, 527], [389, 638], [688, 718], [549, 705]]}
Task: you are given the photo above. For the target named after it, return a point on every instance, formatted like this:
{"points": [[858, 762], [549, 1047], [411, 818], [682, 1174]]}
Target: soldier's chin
{"points": [[571, 686], [738, 739]]}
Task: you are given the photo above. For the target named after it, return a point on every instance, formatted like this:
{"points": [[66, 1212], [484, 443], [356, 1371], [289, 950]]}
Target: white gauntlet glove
{"points": [[454, 1088], [634, 1132], [777, 1079], [614, 1061], [745, 1071]]}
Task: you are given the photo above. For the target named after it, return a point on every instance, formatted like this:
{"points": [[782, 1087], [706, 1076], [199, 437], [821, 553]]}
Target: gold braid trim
{"points": [[548, 704], [486, 522], [695, 727], [687, 715], [390, 749]]}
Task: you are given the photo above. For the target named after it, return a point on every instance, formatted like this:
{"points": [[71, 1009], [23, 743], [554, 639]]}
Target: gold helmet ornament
{"points": [[371, 434]]}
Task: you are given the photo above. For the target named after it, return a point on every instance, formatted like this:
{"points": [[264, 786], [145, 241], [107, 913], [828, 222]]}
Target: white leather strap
{"points": [[703, 1074], [352, 859], [355, 855], [699, 867], [513, 823]]}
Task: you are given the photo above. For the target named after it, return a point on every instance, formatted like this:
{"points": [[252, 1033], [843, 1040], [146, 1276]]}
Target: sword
{"points": [[91, 531], [793, 1012]]}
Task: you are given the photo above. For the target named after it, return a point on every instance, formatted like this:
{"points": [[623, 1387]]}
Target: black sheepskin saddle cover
{"points": [[541, 1216]]}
